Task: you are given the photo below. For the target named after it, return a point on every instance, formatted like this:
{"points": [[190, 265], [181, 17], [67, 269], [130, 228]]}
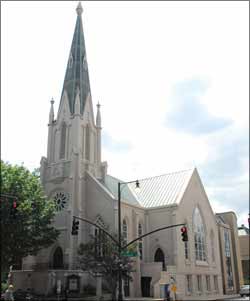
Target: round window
{"points": [[61, 200]]}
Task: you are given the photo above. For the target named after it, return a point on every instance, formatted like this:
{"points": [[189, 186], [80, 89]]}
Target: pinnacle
{"points": [[79, 9]]}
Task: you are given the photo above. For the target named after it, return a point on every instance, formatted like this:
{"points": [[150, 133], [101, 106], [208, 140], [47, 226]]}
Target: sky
{"points": [[172, 78]]}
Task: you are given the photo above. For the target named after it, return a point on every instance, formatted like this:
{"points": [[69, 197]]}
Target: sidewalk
{"points": [[143, 299], [224, 297]]}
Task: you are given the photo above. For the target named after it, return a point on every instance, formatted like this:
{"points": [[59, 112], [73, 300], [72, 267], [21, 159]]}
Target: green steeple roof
{"points": [[77, 68]]}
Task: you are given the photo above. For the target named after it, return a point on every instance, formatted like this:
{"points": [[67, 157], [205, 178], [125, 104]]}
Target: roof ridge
{"points": [[161, 175], [170, 173]]}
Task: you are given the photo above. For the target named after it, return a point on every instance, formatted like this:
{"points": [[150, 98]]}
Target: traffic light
{"points": [[75, 227], [13, 209], [184, 234]]}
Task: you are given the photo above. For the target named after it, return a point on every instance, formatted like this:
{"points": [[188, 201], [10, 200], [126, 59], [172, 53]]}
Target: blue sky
{"points": [[172, 79], [188, 114]]}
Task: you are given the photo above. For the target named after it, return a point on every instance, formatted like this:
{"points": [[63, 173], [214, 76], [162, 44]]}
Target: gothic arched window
{"points": [[63, 141], [227, 251], [140, 240], [100, 238], [83, 142], [87, 148], [125, 231], [58, 258], [186, 249], [160, 257], [199, 236]]}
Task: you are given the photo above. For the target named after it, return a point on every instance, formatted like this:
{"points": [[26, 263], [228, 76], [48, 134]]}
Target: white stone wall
{"points": [[194, 196]]}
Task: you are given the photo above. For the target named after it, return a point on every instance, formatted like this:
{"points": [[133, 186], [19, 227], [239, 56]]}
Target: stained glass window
{"points": [[199, 236], [63, 141], [140, 241], [228, 259]]}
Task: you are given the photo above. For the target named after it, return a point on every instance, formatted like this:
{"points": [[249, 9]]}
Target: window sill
{"points": [[201, 263]]}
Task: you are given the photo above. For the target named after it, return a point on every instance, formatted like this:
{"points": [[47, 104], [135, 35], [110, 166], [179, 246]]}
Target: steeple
{"points": [[77, 75]]}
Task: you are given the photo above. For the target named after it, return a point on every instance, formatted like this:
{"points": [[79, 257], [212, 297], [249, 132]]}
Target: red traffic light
{"points": [[184, 234], [184, 229], [14, 204]]}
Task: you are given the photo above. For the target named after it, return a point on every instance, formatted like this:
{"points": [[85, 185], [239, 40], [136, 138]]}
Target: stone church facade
{"points": [[74, 175]]}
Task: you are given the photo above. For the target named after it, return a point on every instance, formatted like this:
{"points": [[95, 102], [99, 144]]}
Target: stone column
{"points": [[98, 286], [81, 282]]}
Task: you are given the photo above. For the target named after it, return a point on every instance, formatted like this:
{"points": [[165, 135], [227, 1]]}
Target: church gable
{"points": [[194, 196]]}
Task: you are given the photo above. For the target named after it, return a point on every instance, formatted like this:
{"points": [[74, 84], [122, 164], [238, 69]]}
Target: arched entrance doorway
{"points": [[160, 257], [58, 259]]}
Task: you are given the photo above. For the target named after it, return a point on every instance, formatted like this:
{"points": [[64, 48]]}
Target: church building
{"points": [[74, 176]]}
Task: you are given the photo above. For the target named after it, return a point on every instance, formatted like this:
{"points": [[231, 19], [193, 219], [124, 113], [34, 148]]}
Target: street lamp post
{"points": [[120, 298], [119, 247]]}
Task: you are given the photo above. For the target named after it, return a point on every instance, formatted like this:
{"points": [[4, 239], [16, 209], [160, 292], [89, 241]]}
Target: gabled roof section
{"points": [[77, 68], [164, 190], [127, 195]]}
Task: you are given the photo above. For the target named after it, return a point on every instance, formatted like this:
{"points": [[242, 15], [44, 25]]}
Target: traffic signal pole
{"points": [[118, 243], [149, 233]]}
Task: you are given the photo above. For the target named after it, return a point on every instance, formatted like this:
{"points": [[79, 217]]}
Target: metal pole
{"points": [[119, 247]]}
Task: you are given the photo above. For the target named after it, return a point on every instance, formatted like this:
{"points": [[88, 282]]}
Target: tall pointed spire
{"points": [[77, 69]]}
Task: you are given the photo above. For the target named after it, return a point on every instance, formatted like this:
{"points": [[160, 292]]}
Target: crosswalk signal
{"points": [[184, 234], [75, 227]]}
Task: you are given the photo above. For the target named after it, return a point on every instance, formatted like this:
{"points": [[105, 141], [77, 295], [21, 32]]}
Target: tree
{"points": [[27, 229], [100, 256]]}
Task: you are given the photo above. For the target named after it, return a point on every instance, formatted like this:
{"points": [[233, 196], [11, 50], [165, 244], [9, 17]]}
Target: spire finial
{"points": [[52, 101], [98, 105], [79, 9]]}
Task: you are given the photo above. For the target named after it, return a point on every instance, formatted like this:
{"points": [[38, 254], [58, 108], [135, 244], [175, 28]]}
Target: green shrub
{"points": [[4, 287]]}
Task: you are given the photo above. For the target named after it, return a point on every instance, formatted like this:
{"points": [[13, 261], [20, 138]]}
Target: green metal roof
{"points": [[111, 183], [163, 190], [77, 68]]}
